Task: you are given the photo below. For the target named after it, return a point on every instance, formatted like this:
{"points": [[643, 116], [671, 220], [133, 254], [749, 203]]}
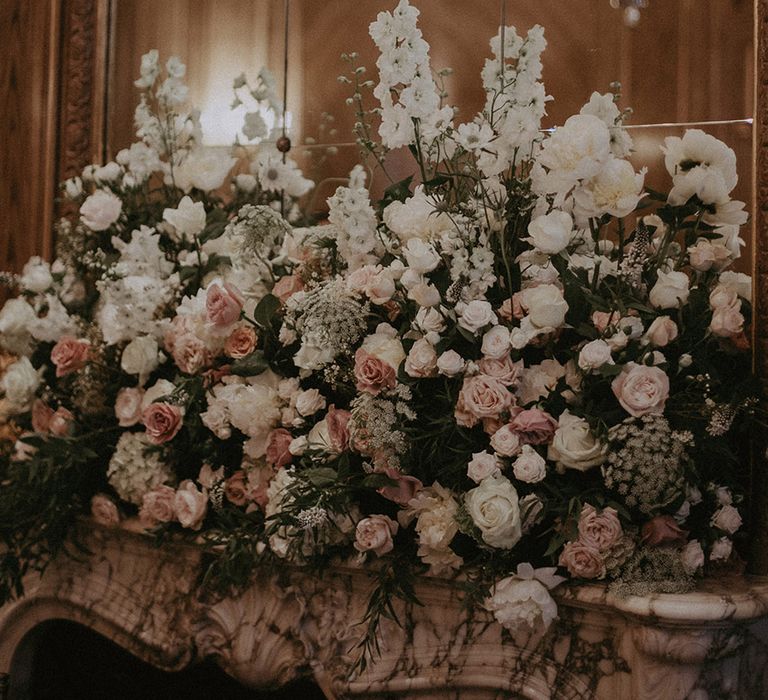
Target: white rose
{"points": [[670, 291], [545, 305], [425, 295], [496, 342], [574, 445], [298, 445], [727, 519], [381, 288], [107, 173], [727, 322], [36, 275], [661, 332], [482, 465], [505, 441], [421, 256], [594, 355], [311, 357], [319, 439], [19, 384], [494, 508], [721, 549], [410, 278], [530, 466], [421, 360], [141, 356], [692, 556], [188, 218], [385, 345], [739, 282], [476, 315], [450, 363], [100, 210], [310, 402], [160, 389], [430, 321], [722, 296], [551, 232]]}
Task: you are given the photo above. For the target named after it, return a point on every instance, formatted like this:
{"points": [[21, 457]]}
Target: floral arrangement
{"points": [[525, 367]]}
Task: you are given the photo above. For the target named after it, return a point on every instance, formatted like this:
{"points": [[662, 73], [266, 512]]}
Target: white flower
{"points": [[421, 255], [309, 402], [141, 356], [204, 169], [385, 345], [615, 190], [506, 441], [36, 275], [530, 467], [738, 282], [450, 363], [417, 217], [476, 315], [188, 218], [135, 469], [16, 318], [727, 519], [482, 465], [594, 355], [429, 320], [496, 342], [545, 305], [19, 384], [721, 549], [100, 210], [692, 556], [421, 360], [574, 445], [550, 233], [474, 136], [494, 508], [670, 291]]}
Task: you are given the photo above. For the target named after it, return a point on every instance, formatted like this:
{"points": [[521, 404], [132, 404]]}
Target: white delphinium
{"points": [[136, 469], [140, 160]]}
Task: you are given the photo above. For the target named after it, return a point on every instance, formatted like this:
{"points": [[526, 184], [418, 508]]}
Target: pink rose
{"points": [[661, 332], [236, 488], [518, 311], [157, 506], [503, 369], [180, 326], [190, 354], [69, 355], [727, 322], [641, 390], [405, 489], [663, 530], [223, 305], [533, 426], [421, 360], [599, 530], [372, 374], [375, 534], [190, 505], [286, 287], [62, 422], [240, 343], [104, 511], [278, 442], [481, 397], [505, 310], [162, 421], [506, 441], [582, 560], [128, 406], [602, 319], [338, 427], [41, 416]]}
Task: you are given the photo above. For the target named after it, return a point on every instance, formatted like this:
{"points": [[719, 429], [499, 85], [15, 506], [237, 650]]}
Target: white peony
{"points": [[36, 275], [670, 291], [19, 384], [574, 445], [188, 219], [421, 255], [100, 210], [494, 508], [550, 233], [417, 217], [615, 190], [204, 169]]}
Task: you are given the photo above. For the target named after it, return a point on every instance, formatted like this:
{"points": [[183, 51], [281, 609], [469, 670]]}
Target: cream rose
{"points": [[421, 360], [600, 530], [190, 505], [477, 315], [374, 534], [670, 291], [450, 363], [496, 343], [494, 508], [594, 355], [574, 445], [641, 390], [692, 556], [582, 560], [661, 332], [530, 466], [421, 255], [481, 397], [727, 322], [545, 305], [506, 442], [482, 465], [385, 345], [550, 233]]}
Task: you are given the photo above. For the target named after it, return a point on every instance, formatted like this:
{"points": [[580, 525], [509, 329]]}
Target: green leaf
{"points": [[320, 476], [266, 309], [249, 366], [377, 481]]}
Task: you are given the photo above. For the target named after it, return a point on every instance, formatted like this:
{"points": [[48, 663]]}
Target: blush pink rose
{"points": [[190, 354], [104, 511], [518, 311], [157, 506], [533, 426], [69, 355], [41, 416], [223, 305], [481, 397], [663, 530], [286, 287], [190, 505], [337, 420], [278, 442], [373, 375], [236, 488], [240, 343], [602, 319], [505, 310], [582, 560], [405, 488], [62, 422], [180, 326], [506, 442], [162, 421], [503, 369], [600, 530], [374, 534], [641, 390], [128, 406]]}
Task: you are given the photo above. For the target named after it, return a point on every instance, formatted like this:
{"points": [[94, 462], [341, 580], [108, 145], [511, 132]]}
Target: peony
{"points": [[661, 332], [481, 397], [494, 508], [641, 390], [727, 519], [545, 305], [223, 305], [157, 506], [104, 511], [19, 384], [373, 375], [482, 465], [204, 169], [188, 218], [529, 466], [240, 343], [574, 445], [190, 505], [421, 256], [594, 355], [670, 291], [582, 560], [162, 421], [421, 360], [600, 530], [100, 210], [128, 406], [477, 315], [141, 356], [36, 275], [550, 233], [374, 534], [533, 426], [506, 442], [69, 355], [662, 530], [615, 190]]}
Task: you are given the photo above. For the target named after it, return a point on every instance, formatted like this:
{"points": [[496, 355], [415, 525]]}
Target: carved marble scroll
{"points": [[711, 643]]}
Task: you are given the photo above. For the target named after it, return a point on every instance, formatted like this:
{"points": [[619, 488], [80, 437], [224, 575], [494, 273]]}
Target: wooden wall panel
{"points": [[28, 65]]}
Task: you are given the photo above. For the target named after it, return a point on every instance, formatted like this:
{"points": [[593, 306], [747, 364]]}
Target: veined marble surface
{"points": [[712, 643]]}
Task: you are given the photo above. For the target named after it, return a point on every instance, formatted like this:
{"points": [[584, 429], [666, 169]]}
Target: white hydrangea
{"points": [[135, 470]]}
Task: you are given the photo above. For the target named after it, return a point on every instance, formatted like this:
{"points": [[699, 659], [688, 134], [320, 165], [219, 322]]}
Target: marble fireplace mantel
{"points": [[712, 643]]}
